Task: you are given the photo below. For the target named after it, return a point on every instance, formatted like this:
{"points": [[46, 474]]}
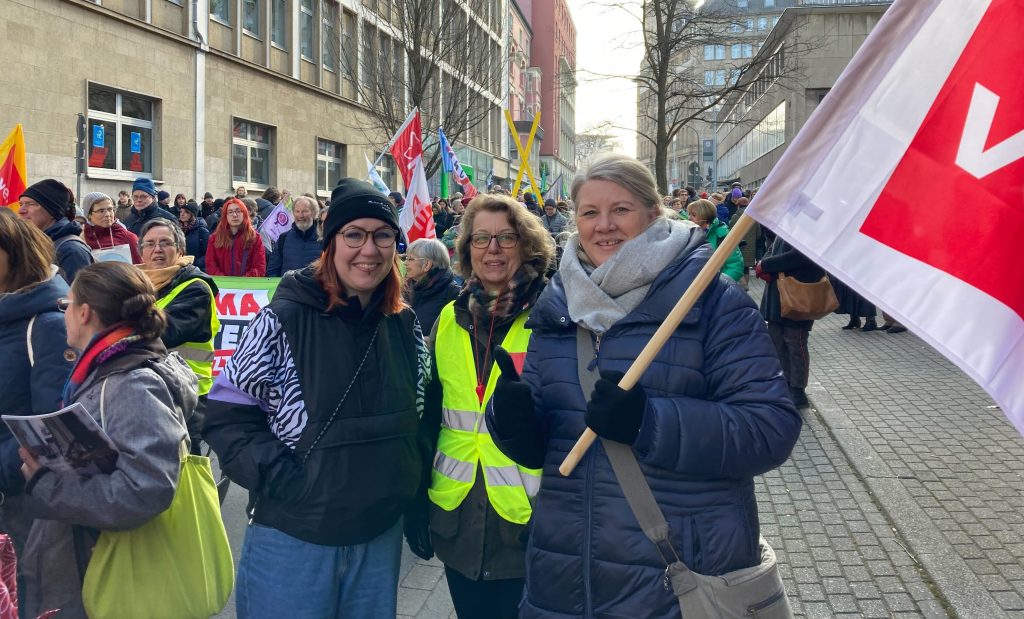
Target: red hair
{"points": [[222, 236], [327, 276]]}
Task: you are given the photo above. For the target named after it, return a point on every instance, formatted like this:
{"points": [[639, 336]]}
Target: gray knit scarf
{"points": [[599, 297]]}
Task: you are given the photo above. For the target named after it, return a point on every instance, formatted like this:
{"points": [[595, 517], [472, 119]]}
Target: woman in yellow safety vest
{"points": [[479, 501]]}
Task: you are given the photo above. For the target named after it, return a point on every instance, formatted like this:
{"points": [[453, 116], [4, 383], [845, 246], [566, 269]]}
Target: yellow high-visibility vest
{"points": [[198, 355], [465, 443]]}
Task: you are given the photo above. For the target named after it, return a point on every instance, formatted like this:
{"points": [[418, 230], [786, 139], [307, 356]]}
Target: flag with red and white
{"points": [[416, 218], [13, 174], [907, 183]]}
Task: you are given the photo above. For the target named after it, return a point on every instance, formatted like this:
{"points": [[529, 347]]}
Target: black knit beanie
{"points": [[52, 195], [354, 199]]}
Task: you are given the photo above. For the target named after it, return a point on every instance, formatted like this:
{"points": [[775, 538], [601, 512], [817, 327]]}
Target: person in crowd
{"points": [[892, 325], [530, 202], [144, 206], [789, 336], [179, 203], [124, 205], [710, 413], [554, 222], [103, 231], [254, 214], [397, 199], [431, 283], [480, 501], [79, 216], [214, 217], [443, 216], [141, 397], [723, 209], [331, 464], [33, 361], [691, 195], [850, 302], [197, 235], [240, 192], [163, 200], [206, 206], [234, 247], [702, 213], [45, 204], [188, 297], [265, 205], [300, 245]]}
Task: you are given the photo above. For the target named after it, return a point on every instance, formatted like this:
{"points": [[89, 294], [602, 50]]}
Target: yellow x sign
{"points": [[524, 154]]}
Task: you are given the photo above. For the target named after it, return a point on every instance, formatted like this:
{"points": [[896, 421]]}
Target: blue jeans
{"points": [[281, 576]]}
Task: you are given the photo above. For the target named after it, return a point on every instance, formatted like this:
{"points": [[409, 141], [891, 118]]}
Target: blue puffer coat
{"points": [[293, 251], [718, 413], [29, 388]]}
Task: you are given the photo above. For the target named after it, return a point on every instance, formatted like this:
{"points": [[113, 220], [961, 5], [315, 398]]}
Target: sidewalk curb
{"points": [[953, 578]]}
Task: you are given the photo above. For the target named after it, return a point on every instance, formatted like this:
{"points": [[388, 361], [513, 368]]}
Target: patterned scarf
{"points": [[189, 226], [104, 346], [520, 293]]}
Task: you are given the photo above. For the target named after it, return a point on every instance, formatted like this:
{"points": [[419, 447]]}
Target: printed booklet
{"points": [[67, 440]]}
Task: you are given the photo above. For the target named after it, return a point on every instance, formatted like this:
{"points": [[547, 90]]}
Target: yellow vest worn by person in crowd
{"points": [[198, 355], [464, 442]]}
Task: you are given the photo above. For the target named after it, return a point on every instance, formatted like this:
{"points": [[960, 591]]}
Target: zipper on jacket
{"points": [[597, 352], [252, 512]]}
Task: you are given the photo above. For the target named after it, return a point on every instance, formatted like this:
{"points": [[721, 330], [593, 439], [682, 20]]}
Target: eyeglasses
{"points": [[64, 304], [234, 211], [356, 237], [412, 259], [103, 210], [162, 244], [506, 240]]}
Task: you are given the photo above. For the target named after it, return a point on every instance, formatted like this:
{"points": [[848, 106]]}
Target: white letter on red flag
{"points": [[416, 218], [906, 183]]}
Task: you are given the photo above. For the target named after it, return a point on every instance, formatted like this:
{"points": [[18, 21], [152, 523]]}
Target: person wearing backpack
{"points": [[45, 204]]}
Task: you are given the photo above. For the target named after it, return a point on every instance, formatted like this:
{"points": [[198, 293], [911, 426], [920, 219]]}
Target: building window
{"points": [[762, 23], [742, 50], [714, 52], [348, 47], [741, 4], [329, 36], [735, 27], [279, 22], [251, 16], [306, 28], [120, 131], [250, 153], [769, 4], [749, 24], [330, 165], [219, 9]]}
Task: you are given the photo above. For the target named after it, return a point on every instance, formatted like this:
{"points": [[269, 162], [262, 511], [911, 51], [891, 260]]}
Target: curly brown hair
{"points": [[535, 244]]}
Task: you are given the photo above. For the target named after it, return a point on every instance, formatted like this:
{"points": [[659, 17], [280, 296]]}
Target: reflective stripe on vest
{"points": [[198, 355], [464, 444]]}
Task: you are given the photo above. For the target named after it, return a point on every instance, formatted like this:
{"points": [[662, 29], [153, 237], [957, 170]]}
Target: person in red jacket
{"points": [[235, 248], [102, 230]]}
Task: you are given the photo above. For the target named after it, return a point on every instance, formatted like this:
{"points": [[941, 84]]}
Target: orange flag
{"points": [[13, 175]]}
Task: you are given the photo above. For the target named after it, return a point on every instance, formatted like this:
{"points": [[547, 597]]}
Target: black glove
{"points": [[512, 399], [417, 535], [613, 413]]}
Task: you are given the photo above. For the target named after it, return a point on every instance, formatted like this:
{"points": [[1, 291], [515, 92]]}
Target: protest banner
{"points": [[239, 299]]}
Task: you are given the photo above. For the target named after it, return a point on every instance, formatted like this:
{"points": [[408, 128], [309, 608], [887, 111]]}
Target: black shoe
{"points": [[885, 327], [897, 329], [853, 324], [869, 325], [799, 396]]}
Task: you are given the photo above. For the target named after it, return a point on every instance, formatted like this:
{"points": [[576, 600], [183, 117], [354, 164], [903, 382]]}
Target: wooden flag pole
{"points": [[653, 347]]}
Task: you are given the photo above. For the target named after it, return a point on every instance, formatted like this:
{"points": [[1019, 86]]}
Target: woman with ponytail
{"points": [[141, 397]]}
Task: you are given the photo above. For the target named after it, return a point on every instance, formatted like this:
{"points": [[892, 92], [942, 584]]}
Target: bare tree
{"points": [[438, 55], [593, 140]]}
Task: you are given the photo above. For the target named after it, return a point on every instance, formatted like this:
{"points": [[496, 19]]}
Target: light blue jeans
{"points": [[281, 576]]}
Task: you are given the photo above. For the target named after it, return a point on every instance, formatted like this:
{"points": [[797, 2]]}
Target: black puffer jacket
{"points": [[782, 258], [72, 253], [429, 298], [280, 387], [137, 219]]}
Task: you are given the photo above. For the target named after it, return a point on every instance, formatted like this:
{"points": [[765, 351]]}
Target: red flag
{"points": [[407, 146], [416, 218], [906, 183], [13, 173]]}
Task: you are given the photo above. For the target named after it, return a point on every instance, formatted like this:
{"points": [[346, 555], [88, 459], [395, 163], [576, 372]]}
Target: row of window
{"points": [[743, 4], [769, 134], [737, 50], [123, 136], [763, 24], [721, 77]]}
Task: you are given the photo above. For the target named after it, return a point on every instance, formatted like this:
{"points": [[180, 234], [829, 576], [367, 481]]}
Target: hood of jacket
{"points": [[552, 309], [187, 272], [63, 227], [32, 300], [264, 207]]}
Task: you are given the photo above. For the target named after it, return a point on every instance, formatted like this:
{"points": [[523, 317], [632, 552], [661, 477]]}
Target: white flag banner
{"points": [[907, 183], [277, 223]]}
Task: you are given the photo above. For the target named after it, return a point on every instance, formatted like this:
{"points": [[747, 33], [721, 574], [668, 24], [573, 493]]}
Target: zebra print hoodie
{"points": [[277, 392]]}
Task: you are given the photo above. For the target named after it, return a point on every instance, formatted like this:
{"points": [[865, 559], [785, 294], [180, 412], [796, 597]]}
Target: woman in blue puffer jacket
{"points": [[711, 412]]}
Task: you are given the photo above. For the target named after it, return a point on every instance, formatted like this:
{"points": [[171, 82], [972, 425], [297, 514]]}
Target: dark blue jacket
{"points": [[196, 241], [294, 250], [718, 413], [71, 252], [29, 388]]}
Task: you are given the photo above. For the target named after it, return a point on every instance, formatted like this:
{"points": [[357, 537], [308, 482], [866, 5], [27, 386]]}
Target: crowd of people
{"points": [[426, 392]]}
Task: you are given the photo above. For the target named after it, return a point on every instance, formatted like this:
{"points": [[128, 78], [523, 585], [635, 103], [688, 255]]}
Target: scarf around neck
{"points": [[160, 277], [103, 347], [598, 297], [519, 294]]}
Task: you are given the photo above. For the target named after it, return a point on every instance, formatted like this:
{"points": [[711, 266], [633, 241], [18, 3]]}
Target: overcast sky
{"points": [[607, 42]]}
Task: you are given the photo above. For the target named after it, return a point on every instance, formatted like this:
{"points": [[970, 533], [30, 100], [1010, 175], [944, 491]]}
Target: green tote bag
{"points": [[176, 566]]}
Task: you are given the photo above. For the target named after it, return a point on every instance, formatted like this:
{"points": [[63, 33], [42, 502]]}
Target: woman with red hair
{"points": [[235, 248]]}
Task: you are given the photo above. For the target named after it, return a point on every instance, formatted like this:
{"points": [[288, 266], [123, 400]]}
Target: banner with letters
{"points": [[239, 299]]}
